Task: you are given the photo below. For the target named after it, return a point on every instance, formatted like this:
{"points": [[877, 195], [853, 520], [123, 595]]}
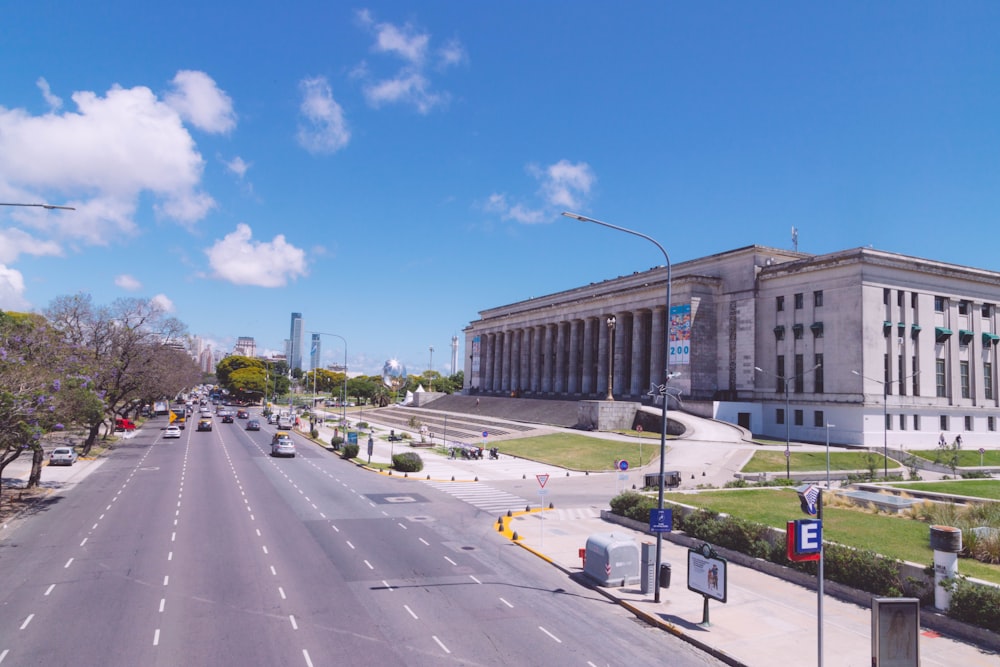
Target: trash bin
{"points": [[664, 575]]}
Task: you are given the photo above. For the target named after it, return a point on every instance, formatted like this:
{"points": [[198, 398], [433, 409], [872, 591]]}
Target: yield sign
{"points": [[542, 479]]}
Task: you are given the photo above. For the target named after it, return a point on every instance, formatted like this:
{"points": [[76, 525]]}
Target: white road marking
{"points": [[4, 654], [507, 603], [474, 579], [295, 626], [84, 542], [402, 526], [450, 561], [163, 602], [369, 565], [156, 637], [407, 608], [440, 643], [549, 634], [264, 547], [26, 621], [170, 555], [387, 586], [68, 563], [166, 579], [49, 589], [273, 571], [305, 654], [426, 543], [281, 592], [349, 544]]}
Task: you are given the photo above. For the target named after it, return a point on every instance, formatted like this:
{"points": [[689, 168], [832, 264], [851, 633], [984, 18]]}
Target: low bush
{"points": [[349, 451], [974, 603], [407, 462], [336, 441], [314, 434]]}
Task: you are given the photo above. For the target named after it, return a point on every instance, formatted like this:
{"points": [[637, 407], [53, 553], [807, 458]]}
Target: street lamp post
{"points": [[885, 415], [788, 414], [666, 379], [828, 427], [343, 400], [611, 358]]}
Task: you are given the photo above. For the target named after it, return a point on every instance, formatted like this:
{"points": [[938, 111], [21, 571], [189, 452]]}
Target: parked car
{"points": [[172, 432], [123, 424], [65, 456], [205, 425], [282, 445], [242, 414], [227, 418], [253, 425]]}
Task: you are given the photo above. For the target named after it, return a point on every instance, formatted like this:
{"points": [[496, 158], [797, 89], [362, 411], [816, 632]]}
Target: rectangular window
{"points": [[799, 370], [902, 422], [987, 310], [916, 422], [943, 419], [780, 375], [818, 420], [779, 416], [888, 422], [939, 378], [991, 423], [963, 307], [968, 423], [779, 303], [963, 371], [916, 376], [939, 304], [913, 299], [818, 386], [899, 370], [818, 298], [988, 380], [885, 374], [798, 417], [885, 296], [798, 301]]}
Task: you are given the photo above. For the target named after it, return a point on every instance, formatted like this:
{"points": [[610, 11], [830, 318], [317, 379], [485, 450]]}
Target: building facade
{"points": [[314, 352], [245, 346], [295, 342], [874, 348]]}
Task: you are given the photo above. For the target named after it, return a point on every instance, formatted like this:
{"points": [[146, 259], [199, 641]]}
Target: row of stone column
{"points": [[570, 358]]}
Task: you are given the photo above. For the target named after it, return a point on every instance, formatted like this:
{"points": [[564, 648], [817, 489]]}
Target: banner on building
{"points": [[680, 334], [475, 355]]}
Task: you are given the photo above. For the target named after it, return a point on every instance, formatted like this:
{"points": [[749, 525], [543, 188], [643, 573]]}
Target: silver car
{"points": [[62, 456], [283, 447]]}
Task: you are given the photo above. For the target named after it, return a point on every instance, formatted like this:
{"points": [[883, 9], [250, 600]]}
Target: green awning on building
{"points": [[965, 336], [941, 334], [990, 338]]}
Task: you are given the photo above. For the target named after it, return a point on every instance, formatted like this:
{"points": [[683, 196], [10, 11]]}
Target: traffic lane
{"points": [[254, 575], [103, 575]]}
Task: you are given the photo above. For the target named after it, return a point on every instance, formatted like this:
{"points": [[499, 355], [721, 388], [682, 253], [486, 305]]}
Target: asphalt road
{"points": [[207, 551]]}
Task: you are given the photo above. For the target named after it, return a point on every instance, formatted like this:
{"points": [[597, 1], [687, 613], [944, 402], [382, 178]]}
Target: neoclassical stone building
{"points": [[841, 331]]}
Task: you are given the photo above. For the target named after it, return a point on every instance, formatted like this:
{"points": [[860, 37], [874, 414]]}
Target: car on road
{"points": [[123, 424], [282, 445], [253, 425], [205, 425], [64, 456], [227, 418], [242, 414], [272, 418], [172, 432]]}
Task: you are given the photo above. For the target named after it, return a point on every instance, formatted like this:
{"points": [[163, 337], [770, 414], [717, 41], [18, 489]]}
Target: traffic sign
{"points": [[486, 434], [661, 521], [542, 479], [623, 465]]}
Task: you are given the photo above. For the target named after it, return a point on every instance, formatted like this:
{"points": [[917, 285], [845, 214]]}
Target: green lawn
{"points": [[967, 458], [893, 536], [774, 461], [581, 452], [978, 488]]}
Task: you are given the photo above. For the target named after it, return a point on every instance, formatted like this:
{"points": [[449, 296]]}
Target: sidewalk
{"points": [[766, 620]]}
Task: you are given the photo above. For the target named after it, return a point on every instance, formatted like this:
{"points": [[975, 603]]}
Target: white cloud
{"points": [[54, 101], [15, 242], [566, 185], [127, 282], [238, 166], [11, 289], [198, 100], [410, 84], [163, 303], [561, 185], [242, 261], [324, 129], [106, 154]]}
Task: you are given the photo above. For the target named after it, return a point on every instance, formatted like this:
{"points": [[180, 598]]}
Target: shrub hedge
{"points": [[407, 462], [349, 451]]}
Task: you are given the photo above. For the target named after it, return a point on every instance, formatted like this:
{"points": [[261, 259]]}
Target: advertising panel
{"points": [[680, 334]]}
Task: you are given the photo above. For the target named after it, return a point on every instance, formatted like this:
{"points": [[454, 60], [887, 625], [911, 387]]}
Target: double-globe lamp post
{"points": [[343, 400], [666, 379], [788, 415]]}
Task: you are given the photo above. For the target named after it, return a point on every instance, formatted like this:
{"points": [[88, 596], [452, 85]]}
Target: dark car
{"points": [[205, 425], [242, 414], [227, 418], [253, 425]]}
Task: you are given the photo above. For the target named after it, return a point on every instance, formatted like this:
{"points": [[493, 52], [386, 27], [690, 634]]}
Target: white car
{"points": [[172, 432], [62, 456], [283, 446]]}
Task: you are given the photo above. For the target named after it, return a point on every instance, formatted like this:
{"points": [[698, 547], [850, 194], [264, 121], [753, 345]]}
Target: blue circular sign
{"points": [[623, 465], [485, 433]]}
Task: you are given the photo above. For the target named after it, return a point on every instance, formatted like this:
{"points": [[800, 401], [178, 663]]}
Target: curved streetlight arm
{"points": [[666, 376]]}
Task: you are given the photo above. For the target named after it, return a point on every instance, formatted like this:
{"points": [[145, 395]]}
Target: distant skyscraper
{"points": [[314, 352], [295, 342], [245, 347]]}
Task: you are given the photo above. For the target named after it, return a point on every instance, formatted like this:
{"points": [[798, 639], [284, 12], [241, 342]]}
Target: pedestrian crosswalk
{"points": [[483, 496]]}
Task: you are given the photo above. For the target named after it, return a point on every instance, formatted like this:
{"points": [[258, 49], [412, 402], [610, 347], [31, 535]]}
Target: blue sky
{"points": [[390, 169]]}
